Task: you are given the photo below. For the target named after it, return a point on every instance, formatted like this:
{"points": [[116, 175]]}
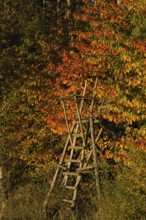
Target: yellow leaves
{"points": [[127, 68], [130, 7], [143, 131], [108, 154], [126, 58], [136, 5], [139, 72]]}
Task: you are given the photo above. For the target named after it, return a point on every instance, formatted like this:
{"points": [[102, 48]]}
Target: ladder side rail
{"points": [[80, 122], [84, 166], [67, 123], [66, 145], [64, 181], [73, 144], [63, 156], [95, 160], [90, 111], [96, 139], [77, 126], [84, 139], [96, 169], [73, 126], [74, 139], [57, 171], [72, 151], [80, 111], [50, 190], [82, 101], [82, 153], [93, 95], [92, 102], [82, 133]]}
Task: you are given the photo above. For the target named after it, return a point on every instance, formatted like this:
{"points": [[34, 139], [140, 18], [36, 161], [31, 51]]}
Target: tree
{"points": [[110, 49], [110, 46], [25, 138]]}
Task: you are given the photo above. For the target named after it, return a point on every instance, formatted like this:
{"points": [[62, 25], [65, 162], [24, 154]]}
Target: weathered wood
{"points": [[83, 120], [69, 139], [76, 131], [91, 151], [75, 146], [70, 173], [74, 197], [79, 120], [77, 135], [96, 168], [73, 161], [61, 167], [70, 187], [82, 133], [67, 200]]}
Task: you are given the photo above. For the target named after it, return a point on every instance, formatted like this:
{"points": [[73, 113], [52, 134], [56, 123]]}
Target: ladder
{"points": [[74, 160]]}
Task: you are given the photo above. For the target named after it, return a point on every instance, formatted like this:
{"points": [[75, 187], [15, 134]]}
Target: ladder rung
{"points": [[96, 121], [67, 200], [73, 161], [77, 135], [83, 120], [71, 173], [70, 187], [76, 147], [62, 167]]}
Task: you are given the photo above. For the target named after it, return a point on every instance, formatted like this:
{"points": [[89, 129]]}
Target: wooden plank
{"points": [[91, 151], [77, 135], [68, 201], [63, 154], [73, 161], [96, 121], [74, 196], [70, 187], [67, 123], [76, 130], [96, 170], [76, 147], [82, 120], [61, 167]]}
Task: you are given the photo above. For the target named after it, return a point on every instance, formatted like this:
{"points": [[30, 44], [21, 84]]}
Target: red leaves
{"points": [[104, 49]]}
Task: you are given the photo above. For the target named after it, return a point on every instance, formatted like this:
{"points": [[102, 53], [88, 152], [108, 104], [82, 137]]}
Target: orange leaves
{"points": [[107, 50], [139, 46]]}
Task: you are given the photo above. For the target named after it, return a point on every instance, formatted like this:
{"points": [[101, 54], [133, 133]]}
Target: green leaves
{"points": [[107, 49]]}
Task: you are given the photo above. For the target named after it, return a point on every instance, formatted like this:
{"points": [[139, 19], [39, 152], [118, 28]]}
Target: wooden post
{"points": [[95, 168], [69, 139], [82, 133], [91, 151]]}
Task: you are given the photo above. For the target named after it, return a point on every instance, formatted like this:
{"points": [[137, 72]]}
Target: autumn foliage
{"points": [[49, 54], [110, 48]]}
